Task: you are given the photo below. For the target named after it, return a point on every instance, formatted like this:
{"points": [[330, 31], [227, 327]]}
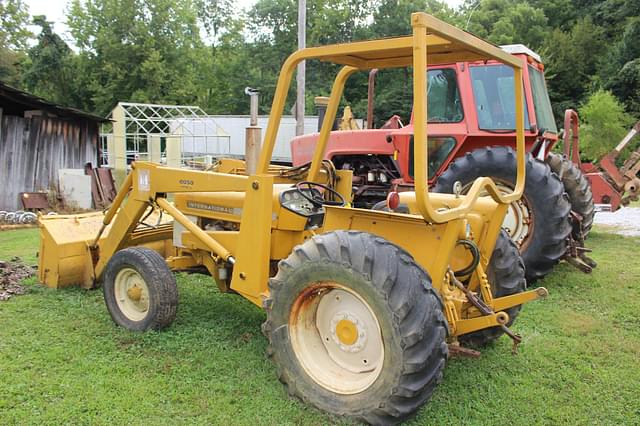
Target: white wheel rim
{"points": [[337, 339], [132, 294], [518, 221]]}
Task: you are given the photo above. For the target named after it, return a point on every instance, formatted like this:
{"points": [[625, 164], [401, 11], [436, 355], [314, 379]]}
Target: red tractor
{"points": [[471, 116]]}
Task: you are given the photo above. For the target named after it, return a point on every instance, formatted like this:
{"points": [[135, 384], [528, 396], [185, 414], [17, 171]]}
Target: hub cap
{"points": [[518, 222], [132, 294], [337, 338]]}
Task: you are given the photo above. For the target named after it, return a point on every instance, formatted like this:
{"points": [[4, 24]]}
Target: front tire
{"points": [[355, 327], [140, 290], [539, 222]]}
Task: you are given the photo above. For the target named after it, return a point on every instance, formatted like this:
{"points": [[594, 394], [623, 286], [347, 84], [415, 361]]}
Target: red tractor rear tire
{"points": [[577, 188], [546, 206]]}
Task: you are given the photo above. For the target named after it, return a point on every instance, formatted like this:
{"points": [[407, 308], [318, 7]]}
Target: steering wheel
{"points": [[316, 200]]}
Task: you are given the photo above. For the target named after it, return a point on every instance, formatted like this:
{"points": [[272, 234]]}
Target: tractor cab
{"points": [[470, 105]]}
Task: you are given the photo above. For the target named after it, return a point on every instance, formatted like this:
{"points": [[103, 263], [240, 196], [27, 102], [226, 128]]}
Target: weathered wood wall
{"points": [[33, 149]]}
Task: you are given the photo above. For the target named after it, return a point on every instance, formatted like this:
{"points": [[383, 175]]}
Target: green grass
{"points": [[63, 361], [20, 242]]}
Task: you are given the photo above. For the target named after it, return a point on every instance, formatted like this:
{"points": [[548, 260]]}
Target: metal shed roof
{"points": [[15, 102]]}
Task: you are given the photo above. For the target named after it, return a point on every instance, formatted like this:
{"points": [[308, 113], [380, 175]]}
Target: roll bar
{"points": [[433, 42]]}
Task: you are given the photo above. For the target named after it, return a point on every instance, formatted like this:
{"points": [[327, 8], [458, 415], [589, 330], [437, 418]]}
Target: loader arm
{"points": [[147, 185]]}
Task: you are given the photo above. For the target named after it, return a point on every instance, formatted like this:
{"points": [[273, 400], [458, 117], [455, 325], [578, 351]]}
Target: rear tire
{"points": [[506, 275], [546, 240], [367, 274], [577, 188], [140, 290]]}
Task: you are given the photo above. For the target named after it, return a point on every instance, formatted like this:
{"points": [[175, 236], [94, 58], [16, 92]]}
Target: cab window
{"points": [[443, 97], [493, 91], [438, 149], [541, 102]]}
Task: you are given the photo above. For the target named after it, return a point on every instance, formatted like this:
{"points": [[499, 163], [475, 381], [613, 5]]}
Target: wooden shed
{"points": [[37, 138]]}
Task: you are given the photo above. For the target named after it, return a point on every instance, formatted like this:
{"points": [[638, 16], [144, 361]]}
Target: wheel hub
{"points": [[348, 333], [132, 294], [518, 220], [337, 338], [345, 322]]}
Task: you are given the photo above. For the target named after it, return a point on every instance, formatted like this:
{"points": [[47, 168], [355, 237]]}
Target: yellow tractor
{"points": [[362, 306]]}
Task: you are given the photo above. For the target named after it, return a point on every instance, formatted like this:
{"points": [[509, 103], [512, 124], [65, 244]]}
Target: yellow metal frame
{"points": [[261, 231], [446, 44]]}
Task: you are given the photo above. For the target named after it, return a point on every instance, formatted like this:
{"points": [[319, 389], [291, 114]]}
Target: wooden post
{"points": [[300, 77]]}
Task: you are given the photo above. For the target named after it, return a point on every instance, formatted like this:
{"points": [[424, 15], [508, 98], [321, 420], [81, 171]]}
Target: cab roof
{"points": [[520, 49], [445, 44]]}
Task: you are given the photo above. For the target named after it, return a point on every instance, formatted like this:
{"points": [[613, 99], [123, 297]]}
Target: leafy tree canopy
{"points": [[205, 52]]}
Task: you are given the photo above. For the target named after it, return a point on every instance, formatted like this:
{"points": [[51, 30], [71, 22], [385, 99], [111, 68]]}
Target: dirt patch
{"points": [[626, 221], [12, 273], [580, 324]]}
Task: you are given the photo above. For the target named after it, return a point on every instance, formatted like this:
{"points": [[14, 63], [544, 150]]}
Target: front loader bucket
{"points": [[65, 259]]}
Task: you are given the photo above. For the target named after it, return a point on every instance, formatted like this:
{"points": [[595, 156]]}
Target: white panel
{"points": [[75, 188]]}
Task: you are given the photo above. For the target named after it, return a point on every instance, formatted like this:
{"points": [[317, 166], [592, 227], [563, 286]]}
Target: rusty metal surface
{"points": [[103, 190], [457, 351], [370, 98], [571, 136], [576, 254], [108, 185], [34, 200], [610, 184]]}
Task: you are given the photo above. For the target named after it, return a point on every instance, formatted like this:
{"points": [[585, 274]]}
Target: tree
{"points": [[14, 38], [621, 71], [507, 22], [141, 51], [50, 74], [14, 17], [273, 25], [232, 68], [609, 14], [626, 85], [604, 124], [215, 17], [572, 60], [560, 13]]}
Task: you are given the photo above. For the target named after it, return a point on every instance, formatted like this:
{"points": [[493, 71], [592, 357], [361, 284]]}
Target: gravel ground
{"points": [[625, 221]]}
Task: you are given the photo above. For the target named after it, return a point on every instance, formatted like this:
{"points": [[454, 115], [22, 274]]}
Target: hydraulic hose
{"points": [[475, 252]]}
